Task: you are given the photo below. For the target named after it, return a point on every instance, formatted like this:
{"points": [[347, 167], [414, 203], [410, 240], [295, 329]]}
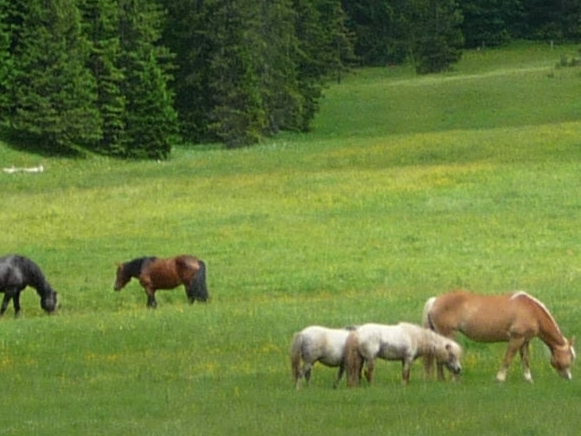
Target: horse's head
{"points": [[122, 277], [452, 357], [48, 301], [563, 357]]}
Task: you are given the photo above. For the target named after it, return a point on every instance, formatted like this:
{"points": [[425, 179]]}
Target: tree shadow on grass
{"points": [[36, 144]]}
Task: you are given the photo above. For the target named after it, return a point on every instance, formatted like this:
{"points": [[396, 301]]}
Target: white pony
{"points": [[317, 344], [404, 342]]}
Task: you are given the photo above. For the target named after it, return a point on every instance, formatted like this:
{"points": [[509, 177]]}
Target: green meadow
{"points": [[407, 186]]}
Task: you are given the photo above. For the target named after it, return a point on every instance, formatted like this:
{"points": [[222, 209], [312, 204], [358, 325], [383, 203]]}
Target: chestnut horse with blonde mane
{"points": [[516, 318]]}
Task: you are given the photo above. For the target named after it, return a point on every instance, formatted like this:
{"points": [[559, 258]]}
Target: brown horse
{"points": [[515, 318], [154, 274]]}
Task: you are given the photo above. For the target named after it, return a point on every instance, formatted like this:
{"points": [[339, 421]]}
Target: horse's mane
{"points": [[134, 267], [541, 305]]}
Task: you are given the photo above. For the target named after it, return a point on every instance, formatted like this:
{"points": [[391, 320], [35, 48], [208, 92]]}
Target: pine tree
{"points": [[52, 91], [150, 120], [318, 56], [101, 18], [6, 65], [437, 38], [250, 68], [187, 35], [238, 115]]}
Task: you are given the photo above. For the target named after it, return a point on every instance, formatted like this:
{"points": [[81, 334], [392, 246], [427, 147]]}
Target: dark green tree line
{"points": [[247, 69], [129, 78]]}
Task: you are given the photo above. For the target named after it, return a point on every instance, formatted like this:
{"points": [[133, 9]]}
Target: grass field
{"points": [[408, 186]]}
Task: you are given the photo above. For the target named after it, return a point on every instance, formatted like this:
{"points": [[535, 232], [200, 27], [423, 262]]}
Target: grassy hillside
{"points": [[407, 186]]}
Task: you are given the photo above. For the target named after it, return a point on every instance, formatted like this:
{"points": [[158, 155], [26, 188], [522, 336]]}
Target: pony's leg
{"points": [[307, 369], [189, 292], [514, 344], [369, 367], [406, 370], [441, 374], [525, 358], [151, 303], [16, 304], [339, 375], [5, 302], [299, 375]]}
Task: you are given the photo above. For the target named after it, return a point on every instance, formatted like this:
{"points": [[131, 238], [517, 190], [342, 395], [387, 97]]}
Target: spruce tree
{"points": [[150, 120], [317, 56], [437, 38], [52, 91], [101, 19], [6, 67], [238, 117], [187, 35]]}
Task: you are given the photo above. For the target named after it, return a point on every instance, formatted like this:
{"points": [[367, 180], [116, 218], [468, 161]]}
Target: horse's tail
{"points": [[426, 314], [199, 288], [296, 354], [427, 322], [353, 359]]}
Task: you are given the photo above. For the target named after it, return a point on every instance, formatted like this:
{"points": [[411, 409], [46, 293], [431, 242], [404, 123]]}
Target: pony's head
{"points": [[48, 301], [563, 357], [122, 278], [450, 357]]}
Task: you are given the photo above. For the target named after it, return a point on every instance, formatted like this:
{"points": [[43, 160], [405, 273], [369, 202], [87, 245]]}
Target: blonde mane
{"points": [[541, 305]]}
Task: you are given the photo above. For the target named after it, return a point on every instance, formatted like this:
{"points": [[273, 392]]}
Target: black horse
{"points": [[16, 273]]}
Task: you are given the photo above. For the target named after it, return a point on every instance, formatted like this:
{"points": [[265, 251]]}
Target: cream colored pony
{"points": [[515, 318], [404, 342], [317, 344]]}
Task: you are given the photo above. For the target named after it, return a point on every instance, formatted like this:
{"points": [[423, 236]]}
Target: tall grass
{"points": [[407, 186]]}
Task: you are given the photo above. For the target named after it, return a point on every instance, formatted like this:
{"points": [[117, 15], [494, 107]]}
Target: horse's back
{"points": [[386, 341], [484, 318], [186, 266], [160, 273], [9, 276], [17, 270], [324, 344]]}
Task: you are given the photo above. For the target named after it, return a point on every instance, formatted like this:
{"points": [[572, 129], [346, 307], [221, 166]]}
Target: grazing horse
{"points": [[317, 344], [16, 273], [515, 318], [154, 274], [404, 341]]}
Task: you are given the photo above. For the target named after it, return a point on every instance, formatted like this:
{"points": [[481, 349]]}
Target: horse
{"points": [[154, 273], [317, 344], [16, 273], [516, 318], [404, 342]]}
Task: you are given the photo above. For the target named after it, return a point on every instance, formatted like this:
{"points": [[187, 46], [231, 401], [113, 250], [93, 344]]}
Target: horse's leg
{"points": [[189, 293], [151, 303], [441, 375], [514, 344], [339, 375], [16, 303], [525, 358], [5, 301], [369, 367], [307, 369], [406, 369]]}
